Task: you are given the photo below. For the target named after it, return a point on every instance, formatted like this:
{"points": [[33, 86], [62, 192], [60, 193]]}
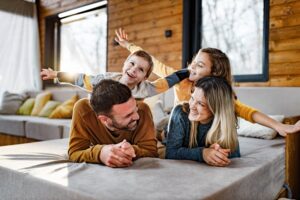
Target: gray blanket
{"points": [[41, 171]]}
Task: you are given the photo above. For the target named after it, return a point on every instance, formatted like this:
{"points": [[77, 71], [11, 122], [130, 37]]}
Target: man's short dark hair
{"points": [[108, 93]]}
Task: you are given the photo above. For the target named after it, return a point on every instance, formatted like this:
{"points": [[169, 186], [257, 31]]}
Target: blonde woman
{"points": [[205, 129]]}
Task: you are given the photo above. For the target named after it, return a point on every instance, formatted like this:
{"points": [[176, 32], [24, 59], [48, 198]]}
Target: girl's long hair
{"points": [[220, 100]]}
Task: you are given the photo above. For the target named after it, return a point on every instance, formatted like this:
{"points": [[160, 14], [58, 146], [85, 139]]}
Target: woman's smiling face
{"points": [[199, 110]]}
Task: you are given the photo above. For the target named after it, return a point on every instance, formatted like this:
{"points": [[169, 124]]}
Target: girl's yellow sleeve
{"points": [[244, 111]]}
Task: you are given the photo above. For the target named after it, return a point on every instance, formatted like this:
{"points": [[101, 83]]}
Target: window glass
{"points": [[235, 27], [83, 42]]}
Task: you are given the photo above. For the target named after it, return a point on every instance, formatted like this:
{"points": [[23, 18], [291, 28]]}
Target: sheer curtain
{"points": [[19, 49]]}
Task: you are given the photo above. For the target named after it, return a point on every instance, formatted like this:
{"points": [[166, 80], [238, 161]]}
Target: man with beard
{"points": [[111, 128]]}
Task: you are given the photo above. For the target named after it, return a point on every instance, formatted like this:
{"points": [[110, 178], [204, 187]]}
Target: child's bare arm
{"points": [[48, 74]]}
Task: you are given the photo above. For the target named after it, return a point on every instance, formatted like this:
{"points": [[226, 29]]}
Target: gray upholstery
{"points": [[41, 128], [45, 129], [42, 131], [41, 171], [12, 124]]}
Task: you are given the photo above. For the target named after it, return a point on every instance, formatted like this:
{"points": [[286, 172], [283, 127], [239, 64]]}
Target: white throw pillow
{"points": [[249, 129]]}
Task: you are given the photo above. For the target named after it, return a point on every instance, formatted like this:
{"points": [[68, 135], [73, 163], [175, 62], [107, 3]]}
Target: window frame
{"points": [[192, 36]]}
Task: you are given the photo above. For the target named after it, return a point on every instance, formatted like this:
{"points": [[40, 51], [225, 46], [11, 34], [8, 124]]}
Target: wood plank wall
{"points": [[146, 21]]}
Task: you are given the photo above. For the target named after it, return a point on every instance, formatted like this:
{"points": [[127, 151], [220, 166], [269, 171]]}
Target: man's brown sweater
{"points": [[88, 134]]}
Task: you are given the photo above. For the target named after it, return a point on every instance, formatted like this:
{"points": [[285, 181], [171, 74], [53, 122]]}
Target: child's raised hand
{"points": [[47, 74], [121, 38]]}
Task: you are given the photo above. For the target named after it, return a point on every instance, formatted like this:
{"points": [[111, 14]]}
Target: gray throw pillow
{"points": [[11, 102]]}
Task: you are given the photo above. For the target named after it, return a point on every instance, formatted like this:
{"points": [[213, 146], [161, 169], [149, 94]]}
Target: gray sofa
{"points": [[41, 128], [276, 101]]}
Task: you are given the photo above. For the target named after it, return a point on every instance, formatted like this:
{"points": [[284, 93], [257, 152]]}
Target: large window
{"points": [[78, 39], [238, 28]]}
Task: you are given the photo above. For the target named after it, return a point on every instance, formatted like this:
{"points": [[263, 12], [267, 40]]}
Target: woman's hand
{"points": [[47, 74], [217, 147], [121, 38], [216, 156]]}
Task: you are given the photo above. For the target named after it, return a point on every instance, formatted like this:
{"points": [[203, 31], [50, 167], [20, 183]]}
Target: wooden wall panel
{"points": [[284, 9], [278, 2], [284, 33], [284, 69]]}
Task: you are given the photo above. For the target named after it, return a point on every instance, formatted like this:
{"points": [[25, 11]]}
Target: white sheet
{"points": [[41, 171]]}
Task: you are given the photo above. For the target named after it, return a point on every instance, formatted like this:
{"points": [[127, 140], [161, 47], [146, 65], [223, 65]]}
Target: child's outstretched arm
{"points": [[163, 84], [160, 85], [159, 68], [76, 79], [48, 74], [250, 114], [281, 128]]}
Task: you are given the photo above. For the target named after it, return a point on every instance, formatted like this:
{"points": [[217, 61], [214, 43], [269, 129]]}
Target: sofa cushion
{"points": [[65, 110], [26, 107], [44, 129], [48, 108], [40, 100], [11, 102], [12, 124]]}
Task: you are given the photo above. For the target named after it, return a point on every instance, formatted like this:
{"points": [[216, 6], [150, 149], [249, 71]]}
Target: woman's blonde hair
{"points": [[220, 101]]}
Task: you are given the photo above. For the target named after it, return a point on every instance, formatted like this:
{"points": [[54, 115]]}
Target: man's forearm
{"points": [[149, 151], [91, 155]]}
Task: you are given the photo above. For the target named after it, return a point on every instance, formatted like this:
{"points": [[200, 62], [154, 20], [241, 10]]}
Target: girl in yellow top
{"points": [[209, 62]]}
